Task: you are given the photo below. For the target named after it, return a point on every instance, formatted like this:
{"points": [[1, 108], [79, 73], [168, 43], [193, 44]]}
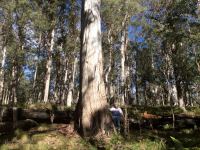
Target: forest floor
{"points": [[63, 137], [48, 136]]}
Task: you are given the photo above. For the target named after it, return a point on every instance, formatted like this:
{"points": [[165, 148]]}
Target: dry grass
{"points": [[45, 137], [63, 137]]}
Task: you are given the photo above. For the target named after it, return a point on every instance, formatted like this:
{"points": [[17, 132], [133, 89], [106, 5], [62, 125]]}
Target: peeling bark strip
{"points": [[91, 111]]}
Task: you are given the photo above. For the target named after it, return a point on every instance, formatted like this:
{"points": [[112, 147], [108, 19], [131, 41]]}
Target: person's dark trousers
{"points": [[116, 120]]}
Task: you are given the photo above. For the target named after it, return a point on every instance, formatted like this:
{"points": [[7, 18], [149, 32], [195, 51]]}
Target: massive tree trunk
{"points": [[48, 67], [92, 108]]}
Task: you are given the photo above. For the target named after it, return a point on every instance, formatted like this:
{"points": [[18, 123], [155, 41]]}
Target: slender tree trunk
{"points": [[178, 84], [110, 65], [196, 59], [13, 86], [145, 93], [136, 90], [123, 49], [65, 82], [127, 86], [71, 86], [57, 78], [2, 72], [35, 76], [48, 67], [35, 94], [185, 93], [136, 79], [92, 108], [124, 43], [174, 94], [6, 97], [191, 103], [18, 58], [169, 72], [169, 93], [180, 95]]}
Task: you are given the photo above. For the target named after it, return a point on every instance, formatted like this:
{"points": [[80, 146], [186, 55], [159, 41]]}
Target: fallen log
{"points": [[7, 127], [25, 124], [146, 120], [42, 116], [35, 115], [46, 116]]}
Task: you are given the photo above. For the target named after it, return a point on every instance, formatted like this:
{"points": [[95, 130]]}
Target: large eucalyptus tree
{"points": [[91, 110]]}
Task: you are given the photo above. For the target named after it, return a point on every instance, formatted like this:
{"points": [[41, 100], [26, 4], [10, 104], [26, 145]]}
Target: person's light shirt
{"points": [[116, 111]]}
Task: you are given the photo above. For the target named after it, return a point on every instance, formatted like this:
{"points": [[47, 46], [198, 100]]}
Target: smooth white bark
{"points": [[69, 98], [2, 71], [65, 81], [124, 42], [35, 75], [123, 49], [71, 87], [48, 67]]}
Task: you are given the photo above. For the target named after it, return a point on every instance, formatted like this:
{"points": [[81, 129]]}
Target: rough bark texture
{"points": [[91, 111]]}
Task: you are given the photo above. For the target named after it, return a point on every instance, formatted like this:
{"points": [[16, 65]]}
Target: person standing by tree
{"points": [[117, 116]]}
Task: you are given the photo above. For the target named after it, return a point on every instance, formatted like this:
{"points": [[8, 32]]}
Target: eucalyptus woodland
{"points": [[87, 54]]}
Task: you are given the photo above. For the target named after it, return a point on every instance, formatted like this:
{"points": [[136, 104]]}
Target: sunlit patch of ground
{"points": [[45, 137], [63, 137]]}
